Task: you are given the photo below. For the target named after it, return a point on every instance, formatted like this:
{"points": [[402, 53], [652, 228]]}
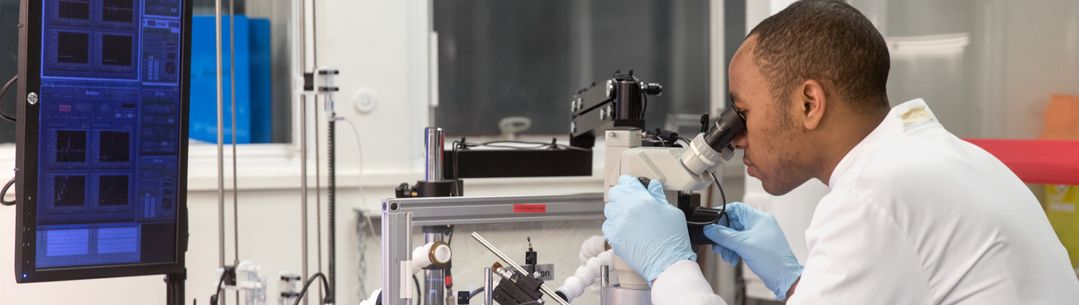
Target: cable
{"points": [[363, 197], [536, 145], [474, 293], [303, 292], [723, 197], [722, 209], [331, 203], [456, 157], [217, 292], [3, 193], [449, 240], [3, 92], [448, 275], [359, 157], [418, 293]]}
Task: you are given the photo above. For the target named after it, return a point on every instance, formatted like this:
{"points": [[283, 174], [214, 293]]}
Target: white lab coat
{"points": [[916, 215]]}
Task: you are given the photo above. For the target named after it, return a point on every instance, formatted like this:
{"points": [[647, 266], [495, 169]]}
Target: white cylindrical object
{"points": [[441, 253], [573, 287], [430, 254], [699, 157], [419, 257], [583, 275]]}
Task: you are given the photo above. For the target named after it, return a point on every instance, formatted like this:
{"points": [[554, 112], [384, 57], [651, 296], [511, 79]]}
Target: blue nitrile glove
{"points": [[755, 236], [644, 230]]}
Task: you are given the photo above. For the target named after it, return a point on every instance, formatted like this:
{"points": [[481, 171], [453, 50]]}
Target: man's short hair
{"points": [[828, 41]]}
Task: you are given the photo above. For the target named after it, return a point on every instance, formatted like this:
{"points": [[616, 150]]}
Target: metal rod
{"points": [[302, 27], [318, 194], [604, 282], [303, 186], [232, 90], [488, 286], [314, 37], [502, 256], [434, 144], [235, 190], [220, 143], [434, 279]]}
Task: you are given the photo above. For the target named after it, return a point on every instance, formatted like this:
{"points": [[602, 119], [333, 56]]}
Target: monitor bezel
{"points": [[26, 175]]}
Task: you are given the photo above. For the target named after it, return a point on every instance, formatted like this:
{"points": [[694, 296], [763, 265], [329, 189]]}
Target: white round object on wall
{"points": [[364, 101]]}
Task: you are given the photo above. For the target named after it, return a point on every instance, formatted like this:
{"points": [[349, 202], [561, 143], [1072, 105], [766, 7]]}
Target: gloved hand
{"points": [[755, 236], [645, 231]]}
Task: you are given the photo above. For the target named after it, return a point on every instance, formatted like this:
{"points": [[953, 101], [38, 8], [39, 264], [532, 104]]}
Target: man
{"points": [[915, 215]]}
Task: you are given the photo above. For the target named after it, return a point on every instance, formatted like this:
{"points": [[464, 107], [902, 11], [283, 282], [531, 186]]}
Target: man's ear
{"points": [[814, 103]]}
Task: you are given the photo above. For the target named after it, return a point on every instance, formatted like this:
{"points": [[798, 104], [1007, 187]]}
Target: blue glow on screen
{"points": [[108, 151]]}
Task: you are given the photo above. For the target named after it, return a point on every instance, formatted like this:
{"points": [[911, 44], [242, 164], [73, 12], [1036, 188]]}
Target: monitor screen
{"points": [[103, 147]]}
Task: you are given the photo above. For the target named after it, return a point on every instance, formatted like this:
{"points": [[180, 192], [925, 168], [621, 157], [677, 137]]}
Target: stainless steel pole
{"points": [[303, 186], [220, 143], [434, 144], [434, 279], [235, 175], [488, 286], [302, 27], [604, 282]]}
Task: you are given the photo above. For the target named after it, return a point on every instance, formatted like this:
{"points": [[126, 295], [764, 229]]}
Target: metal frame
{"points": [[400, 215]]}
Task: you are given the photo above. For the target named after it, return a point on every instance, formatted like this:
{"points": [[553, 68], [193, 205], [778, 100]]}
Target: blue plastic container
{"points": [[252, 53]]}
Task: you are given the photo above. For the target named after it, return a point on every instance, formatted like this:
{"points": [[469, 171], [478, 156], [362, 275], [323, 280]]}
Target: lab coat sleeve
{"points": [[683, 284], [854, 258]]}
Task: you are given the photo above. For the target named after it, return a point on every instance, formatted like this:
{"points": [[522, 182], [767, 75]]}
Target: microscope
{"points": [[617, 109]]}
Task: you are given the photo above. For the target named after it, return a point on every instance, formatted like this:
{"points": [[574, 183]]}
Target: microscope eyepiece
{"points": [[729, 125], [709, 148]]}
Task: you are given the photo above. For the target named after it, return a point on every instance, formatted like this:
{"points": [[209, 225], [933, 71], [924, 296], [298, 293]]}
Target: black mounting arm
{"points": [[619, 102]]}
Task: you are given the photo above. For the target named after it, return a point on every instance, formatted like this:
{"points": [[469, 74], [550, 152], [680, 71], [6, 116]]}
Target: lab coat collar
{"points": [[902, 117]]}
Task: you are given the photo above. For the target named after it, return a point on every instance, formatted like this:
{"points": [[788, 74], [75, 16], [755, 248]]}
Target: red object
{"points": [[1037, 161], [529, 208]]}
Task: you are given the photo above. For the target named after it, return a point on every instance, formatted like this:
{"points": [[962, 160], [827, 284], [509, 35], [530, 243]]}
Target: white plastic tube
{"points": [[585, 275]]}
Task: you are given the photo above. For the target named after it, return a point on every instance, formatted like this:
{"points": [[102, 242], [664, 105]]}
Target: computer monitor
{"points": [[102, 138]]}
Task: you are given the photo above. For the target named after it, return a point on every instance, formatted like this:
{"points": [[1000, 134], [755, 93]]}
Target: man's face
{"points": [[774, 148]]}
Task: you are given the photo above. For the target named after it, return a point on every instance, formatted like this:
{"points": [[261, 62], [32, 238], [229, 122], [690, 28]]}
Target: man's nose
{"points": [[740, 141]]}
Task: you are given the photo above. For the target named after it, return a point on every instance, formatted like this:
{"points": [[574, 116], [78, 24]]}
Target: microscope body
{"points": [[617, 110], [624, 155]]}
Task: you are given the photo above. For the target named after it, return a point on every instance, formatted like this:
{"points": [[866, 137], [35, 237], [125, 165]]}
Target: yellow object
{"points": [[1062, 208]]}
